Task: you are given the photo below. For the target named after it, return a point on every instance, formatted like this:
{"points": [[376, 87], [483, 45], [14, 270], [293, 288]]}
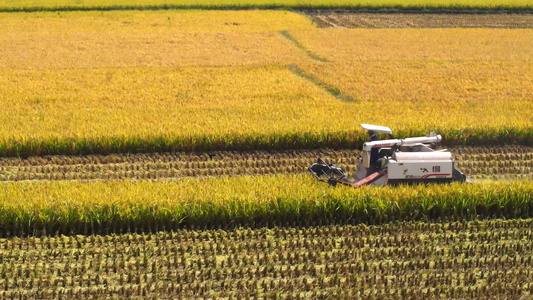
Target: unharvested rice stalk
{"points": [[96, 207], [92, 93]]}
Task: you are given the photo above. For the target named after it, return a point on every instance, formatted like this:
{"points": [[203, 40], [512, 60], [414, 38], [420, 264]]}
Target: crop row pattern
{"points": [[28, 208], [509, 162], [397, 260]]}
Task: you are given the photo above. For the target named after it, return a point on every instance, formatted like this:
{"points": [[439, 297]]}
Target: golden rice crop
{"points": [[376, 4], [429, 78], [154, 22], [76, 207], [159, 102], [419, 45], [89, 40], [152, 81]]}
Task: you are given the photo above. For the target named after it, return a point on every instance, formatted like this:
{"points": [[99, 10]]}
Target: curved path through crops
{"points": [[498, 162]]}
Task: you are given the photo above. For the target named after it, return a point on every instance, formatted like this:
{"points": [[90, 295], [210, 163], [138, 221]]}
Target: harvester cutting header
{"points": [[395, 161]]}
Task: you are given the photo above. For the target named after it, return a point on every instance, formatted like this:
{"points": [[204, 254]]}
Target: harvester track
{"points": [[506, 162]]}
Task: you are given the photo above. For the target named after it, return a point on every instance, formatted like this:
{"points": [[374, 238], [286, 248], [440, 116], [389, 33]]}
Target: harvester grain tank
{"points": [[399, 161]]}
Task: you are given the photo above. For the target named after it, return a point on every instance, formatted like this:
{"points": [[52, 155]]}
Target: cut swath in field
{"points": [[509, 162], [355, 19], [458, 259]]}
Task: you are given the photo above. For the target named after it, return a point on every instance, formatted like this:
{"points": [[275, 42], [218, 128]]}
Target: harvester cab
{"points": [[398, 161]]}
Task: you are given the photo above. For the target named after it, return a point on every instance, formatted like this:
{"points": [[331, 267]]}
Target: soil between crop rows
{"points": [[347, 19], [498, 162]]}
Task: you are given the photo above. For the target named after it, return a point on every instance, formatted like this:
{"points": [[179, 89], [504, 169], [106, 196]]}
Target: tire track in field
{"points": [[499, 162], [300, 46], [332, 90]]}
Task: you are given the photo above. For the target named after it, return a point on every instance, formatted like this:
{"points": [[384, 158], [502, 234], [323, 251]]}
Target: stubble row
{"points": [[397, 260], [496, 162]]}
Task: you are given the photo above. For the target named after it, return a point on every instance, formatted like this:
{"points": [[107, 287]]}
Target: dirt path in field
{"points": [[325, 19], [507, 162]]}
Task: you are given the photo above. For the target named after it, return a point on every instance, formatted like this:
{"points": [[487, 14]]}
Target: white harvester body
{"points": [[407, 161]]}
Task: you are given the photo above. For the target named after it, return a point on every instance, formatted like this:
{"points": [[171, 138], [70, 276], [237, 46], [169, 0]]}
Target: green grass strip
{"points": [[288, 141], [296, 200]]}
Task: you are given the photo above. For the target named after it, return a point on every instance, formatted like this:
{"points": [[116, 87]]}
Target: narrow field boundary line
{"points": [[333, 91], [300, 46], [457, 9]]}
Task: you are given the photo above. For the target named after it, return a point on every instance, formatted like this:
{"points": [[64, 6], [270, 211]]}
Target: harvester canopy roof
{"points": [[377, 128]]}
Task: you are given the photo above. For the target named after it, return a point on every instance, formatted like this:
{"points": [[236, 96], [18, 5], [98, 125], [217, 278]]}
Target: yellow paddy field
{"points": [[25, 5], [278, 91], [68, 76]]}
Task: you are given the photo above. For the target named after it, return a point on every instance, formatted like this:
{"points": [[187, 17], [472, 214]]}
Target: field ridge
{"points": [[412, 9]]}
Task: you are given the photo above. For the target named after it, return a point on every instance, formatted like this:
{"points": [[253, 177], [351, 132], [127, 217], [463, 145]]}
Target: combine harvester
{"points": [[395, 161]]}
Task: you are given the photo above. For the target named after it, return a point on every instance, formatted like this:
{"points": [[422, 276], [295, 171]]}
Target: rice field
{"points": [[58, 207], [392, 5], [479, 163], [148, 152], [413, 260], [152, 81], [114, 82], [420, 85], [146, 192]]}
